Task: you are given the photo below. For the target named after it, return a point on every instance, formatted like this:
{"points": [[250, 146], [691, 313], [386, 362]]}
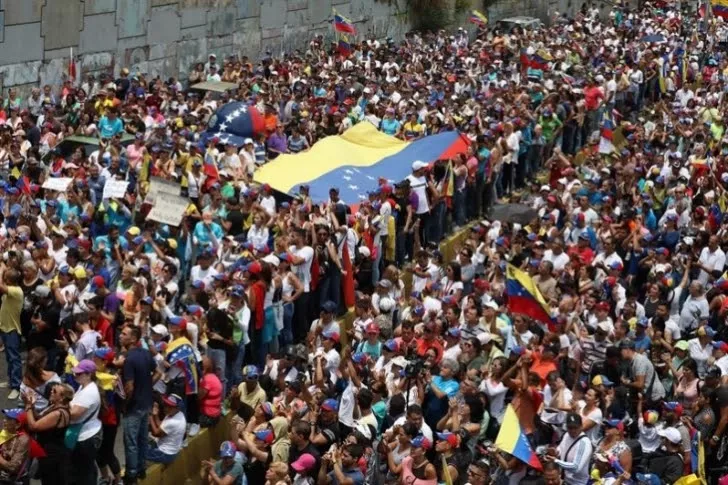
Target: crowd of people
{"points": [[608, 130]]}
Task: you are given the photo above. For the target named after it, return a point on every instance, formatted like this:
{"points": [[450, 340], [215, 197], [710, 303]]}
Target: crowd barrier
{"points": [[185, 470]]}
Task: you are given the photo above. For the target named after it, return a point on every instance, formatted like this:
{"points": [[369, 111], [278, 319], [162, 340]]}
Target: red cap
{"points": [[372, 328], [603, 306], [386, 189], [84, 243], [255, 268], [481, 284], [98, 281]]}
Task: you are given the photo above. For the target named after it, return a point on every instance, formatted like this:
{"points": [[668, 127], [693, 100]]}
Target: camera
{"points": [[414, 368]]}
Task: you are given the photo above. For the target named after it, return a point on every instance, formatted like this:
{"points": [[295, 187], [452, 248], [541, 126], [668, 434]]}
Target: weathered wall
{"points": [[164, 37]]}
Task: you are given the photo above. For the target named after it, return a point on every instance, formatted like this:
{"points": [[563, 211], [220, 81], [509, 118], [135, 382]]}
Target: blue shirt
{"points": [[390, 126], [202, 233], [109, 128]]}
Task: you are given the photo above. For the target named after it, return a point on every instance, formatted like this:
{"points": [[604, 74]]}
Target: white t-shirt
{"points": [[496, 392], [174, 428], [303, 270], [596, 416], [88, 397]]}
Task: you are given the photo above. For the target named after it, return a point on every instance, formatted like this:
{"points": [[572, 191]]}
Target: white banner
{"points": [[115, 189], [169, 209], [60, 183], [160, 186]]}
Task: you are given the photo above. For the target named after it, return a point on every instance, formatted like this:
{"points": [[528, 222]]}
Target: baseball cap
{"points": [[372, 328], [614, 423], [681, 345], [454, 332], [172, 400], [670, 434], [360, 358], [420, 441], [250, 372], [199, 284], [265, 435], [331, 335], [330, 405], [178, 321], [195, 310], [304, 463], [228, 449], [674, 406], [602, 380], [720, 345], [573, 420], [392, 345], [86, 366], [105, 353], [160, 329], [329, 307], [451, 438], [268, 409]]}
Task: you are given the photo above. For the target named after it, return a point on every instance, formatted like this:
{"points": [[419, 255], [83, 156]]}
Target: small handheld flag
{"points": [[342, 24], [478, 18], [512, 440]]}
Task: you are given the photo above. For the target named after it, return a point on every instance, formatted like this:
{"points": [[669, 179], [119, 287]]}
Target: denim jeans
{"points": [[459, 202], [136, 429], [236, 372], [11, 340], [153, 454], [218, 359], [286, 335]]}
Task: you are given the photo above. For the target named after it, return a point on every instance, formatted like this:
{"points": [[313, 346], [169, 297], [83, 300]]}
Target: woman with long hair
{"points": [[49, 427], [85, 408], [37, 380]]}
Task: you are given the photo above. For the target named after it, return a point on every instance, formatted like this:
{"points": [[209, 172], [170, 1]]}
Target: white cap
{"points": [[399, 361], [563, 181], [603, 326], [491, 304], [546, 188], [671, 434], [367, 90], [160, 329], [272, 259], [364, 251], [418, 165], [485, 337], [248, 141], [386, 304]]}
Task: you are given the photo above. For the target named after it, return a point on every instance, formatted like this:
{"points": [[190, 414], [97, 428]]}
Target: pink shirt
{"points": [[211, 405]]}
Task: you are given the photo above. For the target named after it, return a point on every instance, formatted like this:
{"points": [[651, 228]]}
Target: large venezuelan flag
{"points": [[720, 8], [512, 440], [524, 296], [354, 161]]}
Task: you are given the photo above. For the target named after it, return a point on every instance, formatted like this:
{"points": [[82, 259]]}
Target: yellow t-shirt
{"points": [[12, 304]]}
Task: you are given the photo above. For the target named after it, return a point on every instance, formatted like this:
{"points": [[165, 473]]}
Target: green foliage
{"points": [[429, 14]]}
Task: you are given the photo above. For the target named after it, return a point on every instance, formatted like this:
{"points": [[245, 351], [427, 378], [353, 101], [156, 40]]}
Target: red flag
{"points": [[348, 283], [72, 67]]}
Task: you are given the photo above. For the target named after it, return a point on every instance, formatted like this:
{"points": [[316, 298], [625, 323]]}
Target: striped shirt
{"points": [[468, 332], [593, 352]]}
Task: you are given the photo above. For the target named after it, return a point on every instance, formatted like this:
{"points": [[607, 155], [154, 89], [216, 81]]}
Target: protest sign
{"points": [[57, 183], [115, 189], [168, 209], [160, 186]]}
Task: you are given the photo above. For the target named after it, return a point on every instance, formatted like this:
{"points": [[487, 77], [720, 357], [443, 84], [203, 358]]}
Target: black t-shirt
{"points": [[719, 399], [139, 367], [51, 315], [331, 432], [255, 469], [236, 219], [294, 454]]}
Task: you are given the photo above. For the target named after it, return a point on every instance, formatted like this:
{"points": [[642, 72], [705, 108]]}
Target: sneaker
{"points": [[4, 385], [14, 394], [194, 429]]}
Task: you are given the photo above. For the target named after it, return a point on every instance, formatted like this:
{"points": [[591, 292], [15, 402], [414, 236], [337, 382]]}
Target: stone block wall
{"points": [[165, 37]]}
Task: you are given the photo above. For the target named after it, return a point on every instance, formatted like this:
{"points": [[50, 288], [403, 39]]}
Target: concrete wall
{"points": [[164, 37]]}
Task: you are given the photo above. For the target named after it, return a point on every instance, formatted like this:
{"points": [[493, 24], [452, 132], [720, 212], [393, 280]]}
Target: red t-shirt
{"points": [[591, 97], [103, 326]]}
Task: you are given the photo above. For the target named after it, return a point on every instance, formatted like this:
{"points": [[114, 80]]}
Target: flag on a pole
{"points": [[478, 18], [72, 68], [344, 46], [342, 24]]}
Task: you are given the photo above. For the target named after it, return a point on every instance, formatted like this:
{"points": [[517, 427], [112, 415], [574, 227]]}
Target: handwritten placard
{"points": [[59, 184], [168, 209], [115, 189]]}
